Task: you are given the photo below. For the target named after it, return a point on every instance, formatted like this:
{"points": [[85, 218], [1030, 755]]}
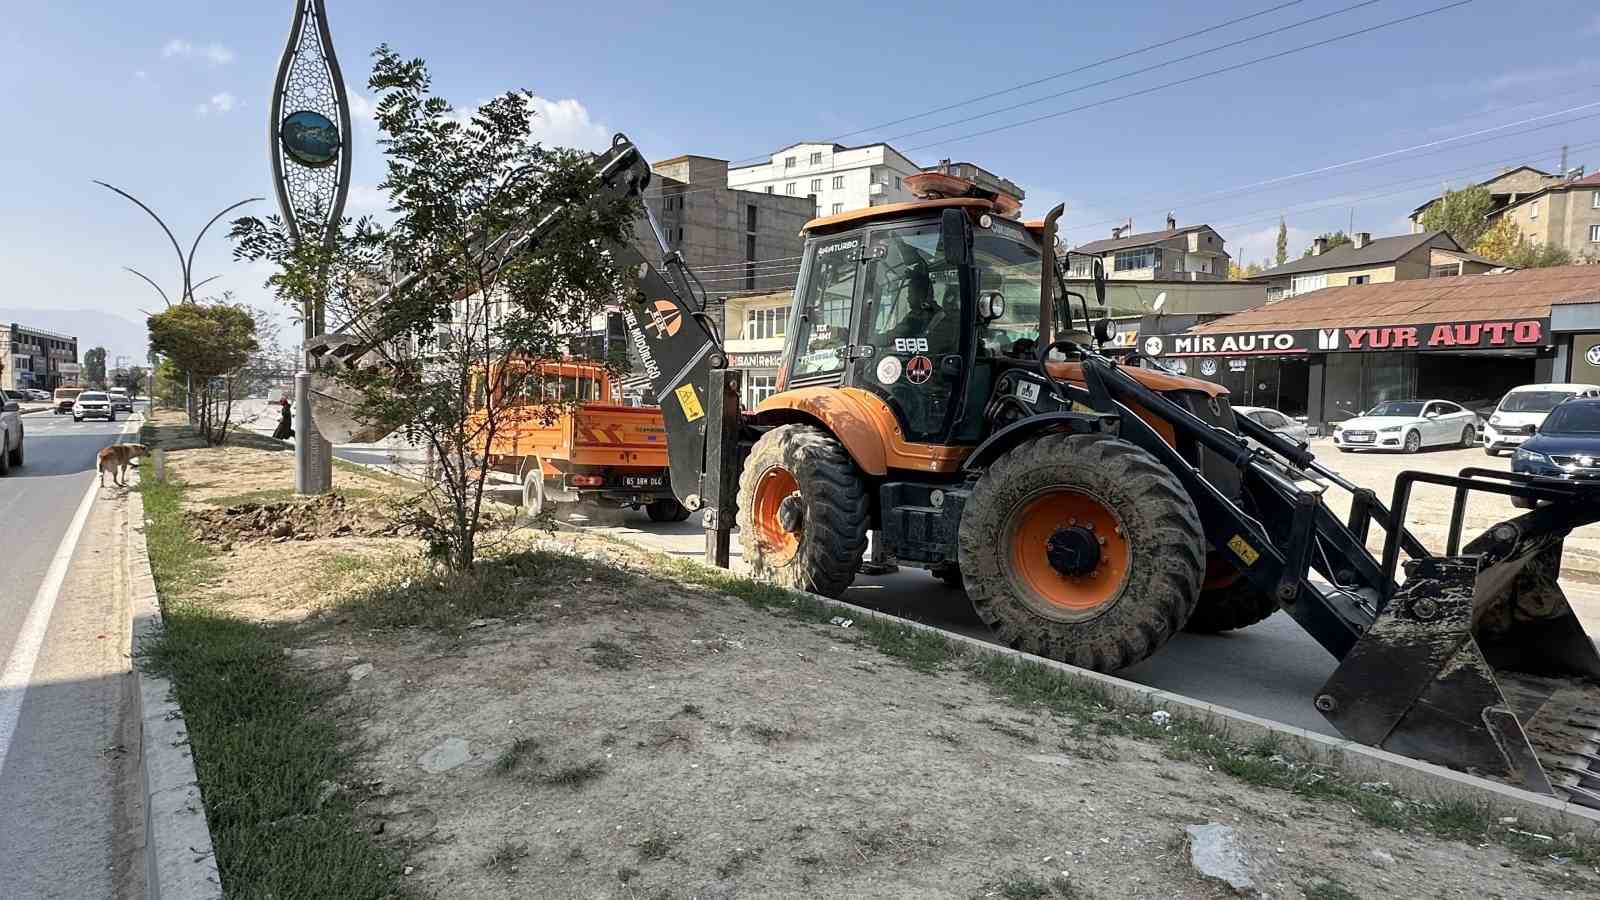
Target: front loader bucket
{"points": [[1478, 664]]}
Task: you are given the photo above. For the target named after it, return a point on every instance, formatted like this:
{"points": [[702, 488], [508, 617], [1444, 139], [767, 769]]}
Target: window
{"points": [[769, 188], [1300, 284], [1594, 234], [1132, 260], [1082, 266], [1533, 210], [758, 388], [897, 183], [1358, 279], [760, 324], [789, 189], [838, 182], [1594, 201], [816, 185], [1449, 270], [816, 158], [750, 219], [788, 162], [838, 208], [829, 299]]}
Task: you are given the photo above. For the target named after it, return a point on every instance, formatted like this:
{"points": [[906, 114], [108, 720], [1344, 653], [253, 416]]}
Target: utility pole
{"points": [[308, 141]]}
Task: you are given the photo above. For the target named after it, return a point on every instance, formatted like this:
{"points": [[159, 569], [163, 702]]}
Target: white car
{"points": [[1523, 409], [1408, 425], [93, 405], [1273, 420], [10, 434]]}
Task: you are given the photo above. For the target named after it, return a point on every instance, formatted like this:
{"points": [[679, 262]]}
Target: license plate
{"points": [[1359, 439], [644, 481]]}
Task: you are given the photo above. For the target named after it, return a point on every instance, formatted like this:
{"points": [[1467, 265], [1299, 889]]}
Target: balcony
{"points": [[877, 189]]}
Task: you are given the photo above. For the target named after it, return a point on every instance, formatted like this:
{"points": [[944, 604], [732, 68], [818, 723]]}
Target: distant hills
{"points": [[121, 336]]}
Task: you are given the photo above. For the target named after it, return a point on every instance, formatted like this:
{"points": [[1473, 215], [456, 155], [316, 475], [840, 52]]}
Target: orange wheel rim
{"points": [[779, 545], [1087, 518]]}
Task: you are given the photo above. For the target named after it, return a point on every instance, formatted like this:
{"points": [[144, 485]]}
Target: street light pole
{"points": [[308, 141]]}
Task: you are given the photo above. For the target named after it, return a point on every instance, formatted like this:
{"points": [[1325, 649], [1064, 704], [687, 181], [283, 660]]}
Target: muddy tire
{"points": [[802, 511], [1082, 548], [950, 574], [666, 510]]}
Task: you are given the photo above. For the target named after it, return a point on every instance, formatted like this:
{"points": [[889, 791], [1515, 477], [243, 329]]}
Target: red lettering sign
{"points": [[1526, 332], [1353, 336], [1404, 337]]}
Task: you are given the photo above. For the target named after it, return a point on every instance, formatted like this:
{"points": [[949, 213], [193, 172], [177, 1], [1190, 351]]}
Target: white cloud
{"points": [[566, 123], [215, 53], [366, 200], [221, 104], [141, 75]]}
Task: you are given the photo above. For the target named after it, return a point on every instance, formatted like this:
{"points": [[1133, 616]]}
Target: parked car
{"points": [[120, 401], [1567, 444], [10, 435], [64, 398], [1523, 409], [1275, 421], [93, 405], [41, 396], [1408, 425]]}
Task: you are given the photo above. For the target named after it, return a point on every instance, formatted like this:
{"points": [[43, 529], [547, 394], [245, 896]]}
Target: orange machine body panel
{"points": [[863, 422]]}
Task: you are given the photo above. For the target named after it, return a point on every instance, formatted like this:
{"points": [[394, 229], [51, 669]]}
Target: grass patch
{"points": [[737, 861], [611, 655], [1325, 889], [511, 759], [261, 751], [574, 776], [1026, 887], [502, 586], [657, 846]]}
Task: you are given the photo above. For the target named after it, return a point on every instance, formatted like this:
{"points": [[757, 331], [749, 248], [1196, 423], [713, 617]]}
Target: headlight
{"points": [[1494, 420], [1529, 456], [1337, 428], [1391, 429]]}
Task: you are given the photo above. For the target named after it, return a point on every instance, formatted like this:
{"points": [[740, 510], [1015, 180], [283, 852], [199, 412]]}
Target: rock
{"points": [[1161, 717], [325, 791], [450, 753], [359, 672], [1383, 859], [1214, 852]]}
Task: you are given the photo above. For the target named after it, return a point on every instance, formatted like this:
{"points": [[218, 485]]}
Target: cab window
{"points": [[1011, 268], [914, 298], [824, 328]]}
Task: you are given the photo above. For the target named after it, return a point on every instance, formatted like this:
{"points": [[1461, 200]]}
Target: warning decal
{"points": [[690, 403]]}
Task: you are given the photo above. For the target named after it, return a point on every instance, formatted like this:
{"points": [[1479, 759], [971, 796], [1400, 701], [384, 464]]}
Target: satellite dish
{"points": [[1161, 300]]}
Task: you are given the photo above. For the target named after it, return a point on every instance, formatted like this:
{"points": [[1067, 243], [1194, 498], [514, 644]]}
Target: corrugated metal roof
{"points": [[1467, 298]]}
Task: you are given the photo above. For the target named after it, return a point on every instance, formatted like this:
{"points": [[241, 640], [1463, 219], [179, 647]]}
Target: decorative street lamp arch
{"points": [[309, 128]]}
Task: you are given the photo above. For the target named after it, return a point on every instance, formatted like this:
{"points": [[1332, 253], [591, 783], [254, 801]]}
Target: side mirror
{"points": [[1431, 414], [953, 230], [1104, 331], [991, 306], [1099, 281]]}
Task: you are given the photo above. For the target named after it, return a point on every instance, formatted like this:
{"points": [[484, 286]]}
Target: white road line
{"points": [[25, 652]]}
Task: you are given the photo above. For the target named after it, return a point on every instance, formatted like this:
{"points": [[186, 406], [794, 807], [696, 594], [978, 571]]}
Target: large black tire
{"points": [[1412, 442], [16, 452], [1469, 437], [5, 454], [666, 510], [1152, 559], [1491, 451], [950, 574], [800, 476]]}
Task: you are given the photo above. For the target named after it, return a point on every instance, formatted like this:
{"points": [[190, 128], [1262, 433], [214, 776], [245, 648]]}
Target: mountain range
{"points": [[92, 327]]}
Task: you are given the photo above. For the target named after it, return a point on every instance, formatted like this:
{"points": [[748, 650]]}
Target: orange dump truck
{"points": [[572, 441]]}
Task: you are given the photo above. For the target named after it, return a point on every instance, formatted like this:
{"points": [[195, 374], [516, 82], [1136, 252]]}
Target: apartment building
{"points": [[1433, 254], [1192, 253], [1565, 213], [38, 359], [837, 179], [754, 332], [1504, 189]]}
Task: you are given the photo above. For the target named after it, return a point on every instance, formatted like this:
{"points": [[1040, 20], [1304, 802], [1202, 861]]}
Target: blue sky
{"points": [[171, 104]]}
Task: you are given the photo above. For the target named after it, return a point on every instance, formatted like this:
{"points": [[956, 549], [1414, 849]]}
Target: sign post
{"points": [[308, 130]]}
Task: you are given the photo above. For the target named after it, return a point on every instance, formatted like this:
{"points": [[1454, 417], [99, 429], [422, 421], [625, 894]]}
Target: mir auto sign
{"points": [[1503, 333]]}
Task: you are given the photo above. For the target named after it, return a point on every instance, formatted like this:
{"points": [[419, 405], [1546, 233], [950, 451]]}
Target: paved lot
{"points": [[70, 819]]}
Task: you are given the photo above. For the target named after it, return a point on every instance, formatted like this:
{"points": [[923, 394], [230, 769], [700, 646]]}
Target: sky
{"points": [[171, 105]]}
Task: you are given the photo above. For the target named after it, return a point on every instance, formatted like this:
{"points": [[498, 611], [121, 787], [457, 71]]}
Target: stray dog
{"points": [[116, 458]]}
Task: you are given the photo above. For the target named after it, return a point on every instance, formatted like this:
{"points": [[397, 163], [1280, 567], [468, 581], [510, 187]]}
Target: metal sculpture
{"points": [[309, 143]]}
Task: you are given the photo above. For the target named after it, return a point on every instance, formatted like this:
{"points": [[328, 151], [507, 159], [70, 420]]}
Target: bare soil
{"points": [[627, 735]]}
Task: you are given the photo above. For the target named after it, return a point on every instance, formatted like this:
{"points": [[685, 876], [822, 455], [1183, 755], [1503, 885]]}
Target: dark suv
{"points": [[1566, 446]]}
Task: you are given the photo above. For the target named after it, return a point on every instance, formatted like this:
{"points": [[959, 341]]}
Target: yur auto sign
{"points": [[1505, 333]]}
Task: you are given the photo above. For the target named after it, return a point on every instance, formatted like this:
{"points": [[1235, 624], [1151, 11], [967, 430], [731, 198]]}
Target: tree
{"points": [[1334, 239], [1283, 242], [1504, 242], [132, 380], [451, 350], [1236, 271], [209, 343], [94, 367], [1461, 214]]}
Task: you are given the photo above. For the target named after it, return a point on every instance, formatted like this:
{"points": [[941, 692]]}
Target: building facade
{"points": [[1565, 214], [754, 332], [1504, 189], [1363, 260], [37, 359], [1194, 253], [1331, 354], [837, 179]]}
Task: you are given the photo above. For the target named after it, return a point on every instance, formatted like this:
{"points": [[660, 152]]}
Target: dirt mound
{"points": [[324, 516]]}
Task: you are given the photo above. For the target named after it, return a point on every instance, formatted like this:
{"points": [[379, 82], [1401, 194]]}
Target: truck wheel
{"points": [[1082, 548], [802, 510], [666, 510], [533, 490], [16, 452], [1228, 601], [950, 574]]}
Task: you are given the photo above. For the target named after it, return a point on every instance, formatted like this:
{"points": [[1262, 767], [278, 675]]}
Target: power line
{"points": [[1150, 68], [1192, 78], [1038, 81]]}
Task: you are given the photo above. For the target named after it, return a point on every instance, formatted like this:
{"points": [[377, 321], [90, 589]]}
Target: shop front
{"points": [[1329, 374], [760, 374]]}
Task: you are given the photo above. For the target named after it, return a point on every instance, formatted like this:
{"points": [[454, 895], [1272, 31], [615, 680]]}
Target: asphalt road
{"points": [[70, 816]]}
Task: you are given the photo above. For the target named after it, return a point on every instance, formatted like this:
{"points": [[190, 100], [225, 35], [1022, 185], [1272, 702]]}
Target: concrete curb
{"points": [[180, 862], [1356, 762]]}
